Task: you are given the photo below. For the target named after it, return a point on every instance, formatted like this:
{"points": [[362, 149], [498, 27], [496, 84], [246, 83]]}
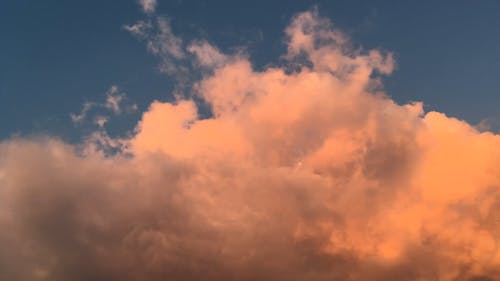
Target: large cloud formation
{"points": [[302, 172]]}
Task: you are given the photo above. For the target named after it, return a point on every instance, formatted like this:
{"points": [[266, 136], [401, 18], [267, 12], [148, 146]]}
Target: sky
{"points": [[175, 140], [54, 56]]}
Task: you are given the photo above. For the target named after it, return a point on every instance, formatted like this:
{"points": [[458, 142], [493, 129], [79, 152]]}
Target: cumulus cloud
{"points": [[311, 174]]}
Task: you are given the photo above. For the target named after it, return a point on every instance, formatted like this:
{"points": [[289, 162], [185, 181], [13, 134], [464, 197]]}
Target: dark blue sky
{"points": [[55, 55]]}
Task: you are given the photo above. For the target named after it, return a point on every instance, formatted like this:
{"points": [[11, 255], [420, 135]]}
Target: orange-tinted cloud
{"points": [[303, 174]]}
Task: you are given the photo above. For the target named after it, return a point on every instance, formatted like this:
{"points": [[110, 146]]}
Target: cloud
{"points": [[184, 62], [148, 6], [139, 29], [310, 174], [113, 99], [161, 42], [116, 102], [78, 118], [207, 55], [101, 121]]}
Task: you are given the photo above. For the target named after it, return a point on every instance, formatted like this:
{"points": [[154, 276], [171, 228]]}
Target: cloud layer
{"points": [[302, 172]]}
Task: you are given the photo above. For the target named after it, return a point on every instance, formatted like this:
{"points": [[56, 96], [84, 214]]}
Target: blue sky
{"points": [[57, 55]]}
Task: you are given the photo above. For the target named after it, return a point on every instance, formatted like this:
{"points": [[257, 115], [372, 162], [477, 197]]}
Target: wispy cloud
{"points": [[207, 55], [161, 42], [182, 61], [78, 118], [116, 102]]}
